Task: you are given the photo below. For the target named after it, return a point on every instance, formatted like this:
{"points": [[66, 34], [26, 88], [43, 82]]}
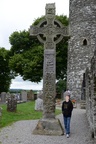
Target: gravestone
{"points": [[0, 112], [39, 103], [53, 32], [24, 96], [17, 96], [8, 95], [3, 97], [30, 95], [12, 104]]}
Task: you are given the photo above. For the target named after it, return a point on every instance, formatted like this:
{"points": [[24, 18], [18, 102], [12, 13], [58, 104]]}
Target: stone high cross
{"points": [[50, 32]]}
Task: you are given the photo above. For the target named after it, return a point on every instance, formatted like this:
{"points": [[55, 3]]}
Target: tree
{"points": [[27, 54], [60, 86], [5, 73]]}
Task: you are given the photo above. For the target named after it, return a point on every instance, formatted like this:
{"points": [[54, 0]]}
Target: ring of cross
{"points": [[50, 31]]}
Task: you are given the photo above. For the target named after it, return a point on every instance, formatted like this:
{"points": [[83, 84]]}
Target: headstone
{"points": [[50, 28], [8, 95], [39, 102], [30, 95], [12, 104], [40, 94], [24, 96], [20, 96], [17, 95], [0, 113], [3, 97]]}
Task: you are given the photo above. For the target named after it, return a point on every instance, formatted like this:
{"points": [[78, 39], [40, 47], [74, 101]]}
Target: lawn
{"points": [[25, 111]]}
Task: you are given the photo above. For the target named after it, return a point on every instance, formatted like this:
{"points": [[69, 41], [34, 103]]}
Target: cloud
{"points": [[16, 15], [18, 83]]}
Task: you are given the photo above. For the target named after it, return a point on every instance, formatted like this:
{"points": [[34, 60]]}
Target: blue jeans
{"points": [[67, 124]]}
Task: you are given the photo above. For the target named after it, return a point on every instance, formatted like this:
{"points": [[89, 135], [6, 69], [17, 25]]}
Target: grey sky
{"points": [[16, 15]]}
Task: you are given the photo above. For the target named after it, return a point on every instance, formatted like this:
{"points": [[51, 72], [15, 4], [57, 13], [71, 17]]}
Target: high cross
{"points": [[50, 32]]}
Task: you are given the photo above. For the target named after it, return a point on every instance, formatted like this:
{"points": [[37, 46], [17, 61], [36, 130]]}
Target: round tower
{"points": [[82, 42]]}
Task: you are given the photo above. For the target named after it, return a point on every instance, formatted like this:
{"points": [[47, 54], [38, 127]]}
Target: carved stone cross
{"points": [[50, 32], [50, 28]]}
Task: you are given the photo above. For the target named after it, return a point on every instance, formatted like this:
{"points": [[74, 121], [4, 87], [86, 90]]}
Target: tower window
{"points": [[84, 42]]}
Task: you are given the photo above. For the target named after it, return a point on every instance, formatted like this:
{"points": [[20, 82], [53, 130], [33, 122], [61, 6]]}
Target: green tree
{"points": [[5, 73], [60, 86], [27, 54]]}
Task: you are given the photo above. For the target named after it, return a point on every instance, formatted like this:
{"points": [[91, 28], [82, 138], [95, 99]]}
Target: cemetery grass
{"points": [[25, 111]]}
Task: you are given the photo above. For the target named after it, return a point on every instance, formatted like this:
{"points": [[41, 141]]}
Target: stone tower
{"points": [[82, 42]]}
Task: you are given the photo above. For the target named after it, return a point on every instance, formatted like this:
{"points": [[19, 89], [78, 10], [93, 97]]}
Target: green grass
{"points": [[25, 111]]}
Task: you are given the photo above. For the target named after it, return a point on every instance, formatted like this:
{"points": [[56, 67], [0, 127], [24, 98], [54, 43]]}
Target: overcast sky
{"points": [[16, 15]]}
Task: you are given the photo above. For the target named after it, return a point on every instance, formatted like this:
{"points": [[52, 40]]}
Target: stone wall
{"points": [[90, 93], [82, 42]]}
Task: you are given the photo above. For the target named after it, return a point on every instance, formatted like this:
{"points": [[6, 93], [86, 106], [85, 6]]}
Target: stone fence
{"points": [[0, 113]]}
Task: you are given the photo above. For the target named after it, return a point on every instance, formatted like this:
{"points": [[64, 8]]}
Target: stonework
{"points": [[39, 102], [30, 95], [50, 31], [49, 127], [0, 112], [90, 94], [3, 97], [24, 95], [82, 42], [50, 28], [12, 104]]}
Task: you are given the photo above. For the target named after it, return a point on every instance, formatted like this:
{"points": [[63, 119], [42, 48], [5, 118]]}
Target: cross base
{"points": [[49, 127]]}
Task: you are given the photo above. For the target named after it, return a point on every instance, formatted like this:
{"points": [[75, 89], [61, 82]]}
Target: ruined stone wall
{"points": [[90, 93], [82, 42]]}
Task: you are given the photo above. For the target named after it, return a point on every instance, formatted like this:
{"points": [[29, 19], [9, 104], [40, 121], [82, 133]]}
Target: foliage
{"points": [[25, 111], [5, 73], [27, 54], [61, 86]]}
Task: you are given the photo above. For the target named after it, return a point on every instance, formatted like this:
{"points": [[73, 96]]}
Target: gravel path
{"points": [[21, 132]]}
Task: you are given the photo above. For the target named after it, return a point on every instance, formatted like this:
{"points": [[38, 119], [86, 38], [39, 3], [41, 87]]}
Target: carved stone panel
{"points": [[49, 95], [49, 61]]}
